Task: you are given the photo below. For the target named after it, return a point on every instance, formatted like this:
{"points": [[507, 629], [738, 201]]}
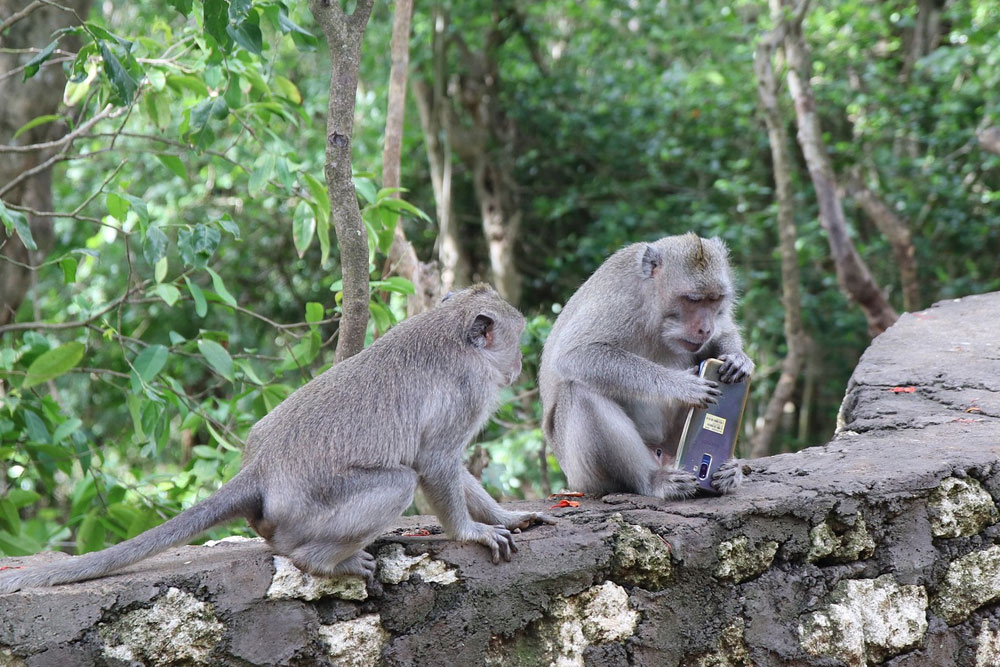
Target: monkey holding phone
{"points": [[618, 371], [332, 466]]}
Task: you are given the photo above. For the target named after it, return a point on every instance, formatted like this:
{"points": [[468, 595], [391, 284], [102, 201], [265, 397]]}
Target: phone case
{"points": [[710, 434]]}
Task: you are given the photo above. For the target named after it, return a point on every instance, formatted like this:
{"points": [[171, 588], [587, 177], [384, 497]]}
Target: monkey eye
{"points": [[693, 298]]}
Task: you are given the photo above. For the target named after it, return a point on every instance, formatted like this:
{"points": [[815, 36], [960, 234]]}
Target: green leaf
{"points": [[173, 163], [65, 429], [32, 66], [160, 269], [262, 171], [68, 265], [23, 497], [220, 288], [15, 221], [366, 188], [117, 206], [53, 363], [154, 244], [247, 34], [18, 545], [200, 130], [200, 305], [37, 431], [227, 224], [396, 284], [303, 227], [404, 207], [122, 81], [314, 312], [90, 536], [183, 6], [35, 122], [150, 361], [9, 516], [382, 317], [168, 293], [287, 89], [217, 358], [198, 244], [216, 18]]}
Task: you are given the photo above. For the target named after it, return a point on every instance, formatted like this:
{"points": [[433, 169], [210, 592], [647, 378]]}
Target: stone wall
{"points": [[879, 547]]}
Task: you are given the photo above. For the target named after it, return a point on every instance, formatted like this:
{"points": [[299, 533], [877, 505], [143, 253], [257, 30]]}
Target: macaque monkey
{"points": [[333, 465], [618, 370]]}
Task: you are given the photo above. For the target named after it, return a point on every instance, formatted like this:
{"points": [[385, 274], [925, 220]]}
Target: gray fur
{"points": [[616, 377], [333, 466]]}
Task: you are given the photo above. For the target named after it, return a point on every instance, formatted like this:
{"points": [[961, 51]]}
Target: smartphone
{"points": [[710, 434]]}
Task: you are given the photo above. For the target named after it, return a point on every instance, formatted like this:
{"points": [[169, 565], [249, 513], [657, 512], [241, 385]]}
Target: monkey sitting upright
{"points": [[338, 461], [616, 377]]}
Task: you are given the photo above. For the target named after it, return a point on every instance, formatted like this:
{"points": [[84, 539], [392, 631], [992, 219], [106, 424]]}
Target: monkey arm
{"points": [[625, 376]]}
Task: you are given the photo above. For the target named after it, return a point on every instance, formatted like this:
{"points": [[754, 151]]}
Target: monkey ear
{"points": [[652, 260], [481, 331], [447, 296]]}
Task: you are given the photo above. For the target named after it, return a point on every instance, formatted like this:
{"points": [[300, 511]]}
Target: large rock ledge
{"points": [[881, 546]]}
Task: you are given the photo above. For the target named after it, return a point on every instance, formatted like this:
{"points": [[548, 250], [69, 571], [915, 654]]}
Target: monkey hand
{"points": [[674, 484], [495, 538], [729, 476], [516, 521], [699, 392], [735, 367]]}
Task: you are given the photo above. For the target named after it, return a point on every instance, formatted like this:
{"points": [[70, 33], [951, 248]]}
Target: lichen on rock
{"points": [[731, 650], [640, 557], [867, 620], [599, 615], [959, 507], [178, 629], [740, 561], [837, 541], [987, 645], [289, 582], [355, 643], [970, 582], [396, 567]]}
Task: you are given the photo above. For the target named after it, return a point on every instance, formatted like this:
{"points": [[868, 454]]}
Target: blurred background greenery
{"points": [[186, 279]]}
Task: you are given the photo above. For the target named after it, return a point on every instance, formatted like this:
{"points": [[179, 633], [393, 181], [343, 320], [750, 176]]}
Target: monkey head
{"points": [[693, 289], [492, 327]]}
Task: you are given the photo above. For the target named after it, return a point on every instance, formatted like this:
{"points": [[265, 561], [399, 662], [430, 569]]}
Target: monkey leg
{"points": [[325, 532], [602, 451], [483, 508]]}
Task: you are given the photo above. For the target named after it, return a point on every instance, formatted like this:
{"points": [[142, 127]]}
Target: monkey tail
{"points": [[240, 496]]}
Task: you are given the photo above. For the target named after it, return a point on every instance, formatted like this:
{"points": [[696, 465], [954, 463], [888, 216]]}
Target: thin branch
{"points": [[24, 13], [56, 143], [53, 326]]}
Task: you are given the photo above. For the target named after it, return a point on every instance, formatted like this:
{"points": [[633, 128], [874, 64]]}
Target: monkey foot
{"points": [[673, 484], [516, 521], [729, 476]]}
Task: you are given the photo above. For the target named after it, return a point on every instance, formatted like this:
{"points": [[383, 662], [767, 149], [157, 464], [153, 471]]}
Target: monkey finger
{"points": [[540, 518]]}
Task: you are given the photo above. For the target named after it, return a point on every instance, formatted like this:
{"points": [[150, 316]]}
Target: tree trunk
{"points": [[989, 139], [433, 106], [343, 36], [501, 225], [402, 257], [897, 232], [791, 298], [39, 95], [852, 273]]}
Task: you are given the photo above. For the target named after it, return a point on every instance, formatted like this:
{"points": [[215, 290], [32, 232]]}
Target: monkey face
{"points": [[692, 319]]}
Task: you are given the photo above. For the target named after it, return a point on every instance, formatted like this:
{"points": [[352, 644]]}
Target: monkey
{"points": [[618, 370], [334, 464]]}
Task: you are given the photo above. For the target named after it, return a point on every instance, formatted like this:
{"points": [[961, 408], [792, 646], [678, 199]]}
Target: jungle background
{"points": [[169, 270]]}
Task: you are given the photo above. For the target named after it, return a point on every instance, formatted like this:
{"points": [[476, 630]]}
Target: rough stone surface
{"points": [[867, 621], [177, 628], [641, 557], [862, 526], [291, 582], [356, 643], [970, 582], [739, 561], [960, 508]]}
